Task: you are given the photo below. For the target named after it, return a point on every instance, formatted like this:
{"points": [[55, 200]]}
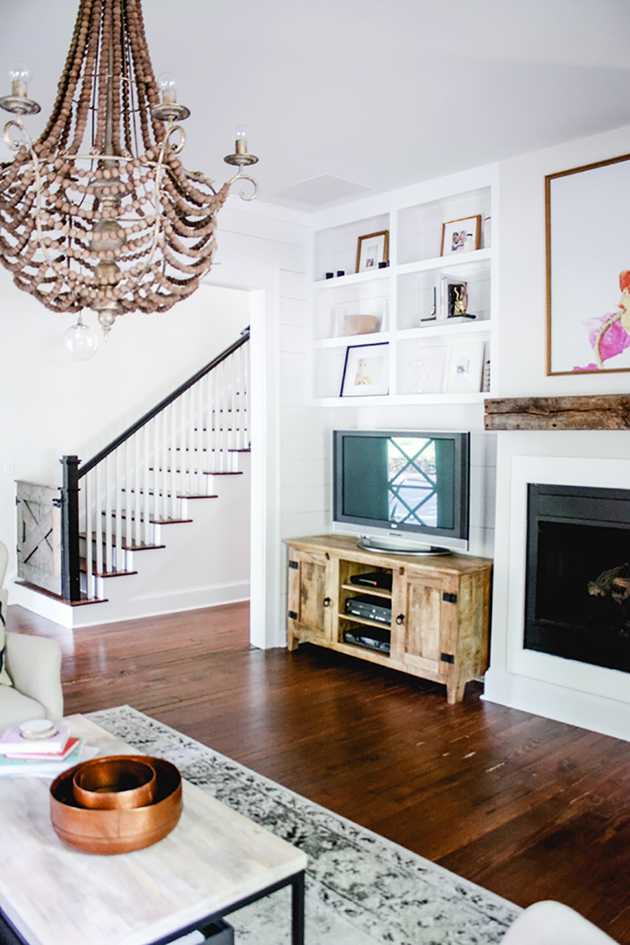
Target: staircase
{"points": [[121, 504]]}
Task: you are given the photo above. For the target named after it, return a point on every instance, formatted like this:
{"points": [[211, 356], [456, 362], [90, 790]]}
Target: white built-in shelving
{"points": [[393, 305]]}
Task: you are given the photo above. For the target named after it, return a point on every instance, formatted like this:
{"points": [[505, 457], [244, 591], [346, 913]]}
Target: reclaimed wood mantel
{"points": [[600, 412]]}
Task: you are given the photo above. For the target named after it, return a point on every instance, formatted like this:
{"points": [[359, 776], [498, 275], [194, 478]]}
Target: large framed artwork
{"points": [[588, 268]]}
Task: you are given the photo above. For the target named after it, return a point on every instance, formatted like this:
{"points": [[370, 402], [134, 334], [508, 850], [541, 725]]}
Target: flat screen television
{"points": [[404, 492]]}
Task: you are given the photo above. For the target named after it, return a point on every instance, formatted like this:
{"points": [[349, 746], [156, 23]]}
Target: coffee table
{"points": [[214, 862]]}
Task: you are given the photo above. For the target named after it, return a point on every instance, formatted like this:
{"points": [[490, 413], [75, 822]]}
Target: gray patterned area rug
{"points": [[361, 888]]}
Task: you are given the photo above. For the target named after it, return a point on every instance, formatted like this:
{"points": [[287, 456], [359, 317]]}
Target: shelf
{"points": [[417, 400], [351, 618], [352, 278], [442, 328], [346, 341], [366, 589], [446, 262]]}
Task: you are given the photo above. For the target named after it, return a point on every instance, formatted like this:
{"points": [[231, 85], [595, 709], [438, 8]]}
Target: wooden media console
{"points": [[440, 608]]}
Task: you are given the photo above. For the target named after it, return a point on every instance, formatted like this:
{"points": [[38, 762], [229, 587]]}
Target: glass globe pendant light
{"points": [[80, 340]]}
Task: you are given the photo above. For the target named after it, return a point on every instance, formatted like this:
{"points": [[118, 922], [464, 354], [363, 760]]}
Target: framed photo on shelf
{"points": [[366, 371], [372, 250], [588, 283], [425, 370], [464, 368], [461, 236]]}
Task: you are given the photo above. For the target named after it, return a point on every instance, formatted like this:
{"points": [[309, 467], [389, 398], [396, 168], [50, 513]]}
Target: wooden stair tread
{"points": [[124, 547], [58, 597]]}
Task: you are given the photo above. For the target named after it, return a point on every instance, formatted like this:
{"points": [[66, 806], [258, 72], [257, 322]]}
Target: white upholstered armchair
{"points": [[553, 923], [30, 670]]}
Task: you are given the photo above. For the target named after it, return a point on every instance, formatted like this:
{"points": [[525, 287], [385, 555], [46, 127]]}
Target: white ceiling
{"points": [[382, 94]]}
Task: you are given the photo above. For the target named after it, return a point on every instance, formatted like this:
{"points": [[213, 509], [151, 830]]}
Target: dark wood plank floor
{"points": [[529, 808]]}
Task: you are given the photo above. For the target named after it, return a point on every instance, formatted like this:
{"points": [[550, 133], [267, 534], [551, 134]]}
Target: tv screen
{"points": [[403, 484]]}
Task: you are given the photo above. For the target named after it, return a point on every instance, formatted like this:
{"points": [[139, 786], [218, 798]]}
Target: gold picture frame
{"points": [[461, 238], [372, 250]]}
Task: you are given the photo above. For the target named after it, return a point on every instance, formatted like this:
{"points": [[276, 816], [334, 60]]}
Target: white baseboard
{"points": [[112, 611], [584, 710]]}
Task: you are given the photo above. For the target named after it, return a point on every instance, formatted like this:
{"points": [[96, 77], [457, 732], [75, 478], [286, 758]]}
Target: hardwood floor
{"points": [[529, 808]]}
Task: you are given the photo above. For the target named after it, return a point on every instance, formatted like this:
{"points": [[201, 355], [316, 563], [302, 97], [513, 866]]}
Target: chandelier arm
{"points": [[243, 193]]}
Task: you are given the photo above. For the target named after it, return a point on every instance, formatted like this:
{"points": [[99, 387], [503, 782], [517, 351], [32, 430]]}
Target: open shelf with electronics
{"points": [[427, 309]]}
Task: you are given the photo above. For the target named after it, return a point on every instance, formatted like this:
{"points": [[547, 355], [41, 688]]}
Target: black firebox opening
{"points": [[578, 574]]}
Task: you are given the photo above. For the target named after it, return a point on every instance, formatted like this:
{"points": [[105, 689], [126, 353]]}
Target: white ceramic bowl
{"points": [[38, 728]]}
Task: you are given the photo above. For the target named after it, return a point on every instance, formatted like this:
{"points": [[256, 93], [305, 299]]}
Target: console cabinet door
{"points": [[310, 602], [425, 625]]}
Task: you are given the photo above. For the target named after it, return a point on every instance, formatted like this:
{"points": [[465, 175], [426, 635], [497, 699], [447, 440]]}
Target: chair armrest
{"points": [[553, 923], [34, 665]]}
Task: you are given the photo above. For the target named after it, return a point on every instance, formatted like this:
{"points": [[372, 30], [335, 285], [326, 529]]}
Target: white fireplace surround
{"points": [[592, 697]]}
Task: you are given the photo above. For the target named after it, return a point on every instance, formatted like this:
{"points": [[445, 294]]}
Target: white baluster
{"points": [[86, 490], [137, 535], [172, 460], [98, 532], [145, 502], [118, 471], [108, 516]]}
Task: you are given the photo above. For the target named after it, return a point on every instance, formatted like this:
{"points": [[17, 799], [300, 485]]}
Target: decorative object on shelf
{"points": [[366, 371], [427, 371], [330, 275], [340, 272], [360, 324], [372, 250], [485, 381], [457, 299], [383, 264], [431, 317], [459, 236], [114, 223], [487, 232], [454, 299], [464, 368], [588, 331]]}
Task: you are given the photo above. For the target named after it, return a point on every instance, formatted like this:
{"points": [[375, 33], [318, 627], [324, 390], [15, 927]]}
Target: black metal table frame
{"points": [[10, 936]]}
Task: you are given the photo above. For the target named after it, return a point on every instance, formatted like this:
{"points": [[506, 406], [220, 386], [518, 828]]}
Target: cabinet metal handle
{"points": [[326, 601], [400, 619]]}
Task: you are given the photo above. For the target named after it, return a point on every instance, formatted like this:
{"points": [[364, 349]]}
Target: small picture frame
{"points": [[372, 250], [461, 236], [464, 368], [366, 371]]}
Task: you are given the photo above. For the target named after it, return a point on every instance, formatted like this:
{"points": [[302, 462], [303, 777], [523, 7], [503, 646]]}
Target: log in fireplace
{"points": [[578, 574]]}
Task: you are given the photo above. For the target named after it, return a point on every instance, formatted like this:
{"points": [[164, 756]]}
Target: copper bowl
{"points": [[117, 781], [118, 830]]}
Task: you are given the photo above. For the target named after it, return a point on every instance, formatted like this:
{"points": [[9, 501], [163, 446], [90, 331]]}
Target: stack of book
{"points": [[39, 757]]}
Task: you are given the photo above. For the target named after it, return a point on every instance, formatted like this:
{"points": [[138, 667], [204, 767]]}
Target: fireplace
{"points": [[577, 598]]}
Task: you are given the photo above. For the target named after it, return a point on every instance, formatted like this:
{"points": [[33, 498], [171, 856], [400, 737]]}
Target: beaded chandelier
{"points": [[99, 212]]}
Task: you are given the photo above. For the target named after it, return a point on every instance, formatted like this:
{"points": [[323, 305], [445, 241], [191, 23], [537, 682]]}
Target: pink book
{"points": [[12, 741]]}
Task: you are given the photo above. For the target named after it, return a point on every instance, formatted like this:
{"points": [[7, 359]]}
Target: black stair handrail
{"points": [[129, 432]]}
